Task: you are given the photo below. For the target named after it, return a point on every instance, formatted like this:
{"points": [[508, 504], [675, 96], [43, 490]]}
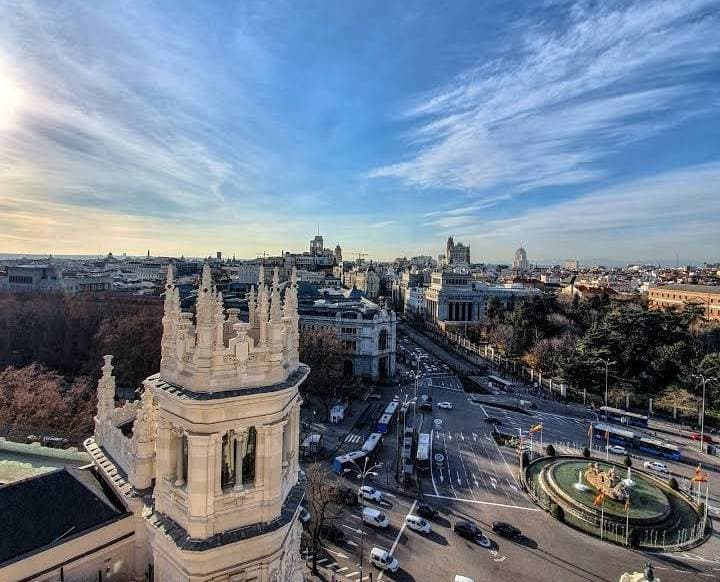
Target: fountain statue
{"points": [[606, 482]]}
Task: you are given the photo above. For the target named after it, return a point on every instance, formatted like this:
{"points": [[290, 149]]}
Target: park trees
{"points": [[325, 504]]}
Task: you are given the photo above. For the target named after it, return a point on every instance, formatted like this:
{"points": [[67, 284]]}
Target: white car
{"points": [[384, 560], [367, 492], [656, 466], [617, 449], [417, 523], [445, 405]]}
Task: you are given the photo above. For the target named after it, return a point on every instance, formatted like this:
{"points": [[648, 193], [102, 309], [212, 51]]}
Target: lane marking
{"points": [[484, 502], [484, 411], [400, 533]]}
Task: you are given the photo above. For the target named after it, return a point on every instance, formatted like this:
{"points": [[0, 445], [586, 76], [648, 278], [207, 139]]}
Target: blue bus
{"points": [[659, 449], [372, 444], [383, 423], [349, 462], [624, 416], [616, 436]]}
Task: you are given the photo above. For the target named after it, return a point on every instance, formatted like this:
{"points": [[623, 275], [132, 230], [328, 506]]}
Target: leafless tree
{"points": [[324, 503]]}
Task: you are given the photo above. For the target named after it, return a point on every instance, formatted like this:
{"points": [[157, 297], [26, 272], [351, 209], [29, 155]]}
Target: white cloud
{"points": [[647, 218], [548, 115]]}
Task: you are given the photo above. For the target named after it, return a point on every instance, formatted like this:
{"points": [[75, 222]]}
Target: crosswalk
{"points": [[353, 438], [342, 572]]}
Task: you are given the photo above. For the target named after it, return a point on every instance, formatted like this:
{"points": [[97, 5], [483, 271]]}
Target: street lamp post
{"points": [[704, 381], [362, 473], [607, 363]]}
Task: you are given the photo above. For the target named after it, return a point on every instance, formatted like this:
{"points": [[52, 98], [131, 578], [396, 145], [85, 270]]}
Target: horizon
{"points": [[570, 128]]}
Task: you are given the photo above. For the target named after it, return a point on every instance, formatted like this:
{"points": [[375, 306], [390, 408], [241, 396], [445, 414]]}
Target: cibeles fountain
{"points": [[640, 510]]}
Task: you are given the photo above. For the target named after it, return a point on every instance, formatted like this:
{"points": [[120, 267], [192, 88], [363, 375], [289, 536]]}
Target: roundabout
{"points": [[616, 504]]}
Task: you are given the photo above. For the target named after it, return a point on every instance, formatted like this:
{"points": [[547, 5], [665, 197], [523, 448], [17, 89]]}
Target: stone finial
{"points": [[275, 298], [252, 305], [170, 276], [206, 282], [106, 390]]}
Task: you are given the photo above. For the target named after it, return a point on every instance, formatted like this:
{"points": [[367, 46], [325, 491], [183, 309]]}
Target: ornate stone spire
{"points": [[262, 312], [252, 306], [275, 308], [106, 390], [144, 426], [205, 310], [290, 305]]}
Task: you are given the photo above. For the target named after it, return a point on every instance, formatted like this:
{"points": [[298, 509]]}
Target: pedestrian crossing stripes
{"points": [[353, 438], [340, 570]]}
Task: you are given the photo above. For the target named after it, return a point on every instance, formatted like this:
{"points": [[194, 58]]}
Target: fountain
{"points": [[580, 486], [628, 482]]}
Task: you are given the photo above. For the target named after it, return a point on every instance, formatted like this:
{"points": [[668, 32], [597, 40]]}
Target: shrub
{"points": [[627, 461], [557, 512], [673, 484], [586, 453], [525, 459], [634, 539], [550, 451], [701, 508]]}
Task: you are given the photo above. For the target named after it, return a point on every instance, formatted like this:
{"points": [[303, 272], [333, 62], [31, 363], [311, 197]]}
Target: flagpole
{"points": [[541, 441], [602, 517], [590, 434], [627, 520], [607, 445]]}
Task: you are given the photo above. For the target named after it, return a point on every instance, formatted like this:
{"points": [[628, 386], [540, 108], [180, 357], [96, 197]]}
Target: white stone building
{"points": [[198, 480]]}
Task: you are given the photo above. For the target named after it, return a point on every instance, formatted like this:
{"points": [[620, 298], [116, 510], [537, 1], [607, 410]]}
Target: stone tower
{"points": [[226, 490]]}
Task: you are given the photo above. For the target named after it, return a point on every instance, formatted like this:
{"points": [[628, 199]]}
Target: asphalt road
{"points": [[476, 479]]}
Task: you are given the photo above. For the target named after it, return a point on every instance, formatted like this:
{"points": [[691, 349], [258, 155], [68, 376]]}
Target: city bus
{"points": [[616, 436], [349, 462], [372, 444], [624, 416], [658, 448], [501, 383], [383, 424], [391, 408], [422, 457]]}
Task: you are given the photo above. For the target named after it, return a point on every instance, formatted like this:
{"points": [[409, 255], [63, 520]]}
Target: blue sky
{"points": [[578, 129]]}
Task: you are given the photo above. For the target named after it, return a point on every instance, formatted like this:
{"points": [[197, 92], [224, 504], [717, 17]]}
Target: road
{"points": [[475, 479]]}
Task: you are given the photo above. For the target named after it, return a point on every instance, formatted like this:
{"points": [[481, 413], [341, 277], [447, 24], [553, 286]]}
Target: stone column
{"points": [[201, 484], [239, 450], [163, 468], [179, 458]]}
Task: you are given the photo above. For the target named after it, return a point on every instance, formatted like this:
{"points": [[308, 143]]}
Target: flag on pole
{"points": [[700, 476], [536, 428], [599, 499], [627, 504]]}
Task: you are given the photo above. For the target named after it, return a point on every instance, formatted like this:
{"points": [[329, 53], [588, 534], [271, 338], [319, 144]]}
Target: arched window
{"points": [[347, 368], [248, 472], [382, 340]]}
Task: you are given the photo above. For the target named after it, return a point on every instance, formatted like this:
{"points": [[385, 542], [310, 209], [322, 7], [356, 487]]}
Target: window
{"points": [[349, 346], [349, 330], [382, 340], [248, 473]]}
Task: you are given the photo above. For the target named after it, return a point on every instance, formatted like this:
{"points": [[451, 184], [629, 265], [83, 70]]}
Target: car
{"points": [[656, 466], [375, 396], [617, 449], [417, 523], [506, 530], [425, 406], [384, 560], [460, 578], [332, 533], [706, 438], [367, 492], [375, 517], [426, 510], [304, 515], [493, 420], [468, 530], [445, 405], [347, 496]]}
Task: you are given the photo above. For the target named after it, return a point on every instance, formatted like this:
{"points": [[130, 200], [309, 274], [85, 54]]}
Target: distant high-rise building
{"points": [[316, 246], [338, 255], [456, 253], [572, 264], [218, 255], [521, 262]]}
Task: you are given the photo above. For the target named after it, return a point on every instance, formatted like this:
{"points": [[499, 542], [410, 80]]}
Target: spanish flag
{"points": [[627, 504], [536, 428], [599, 499], [700, 477]]}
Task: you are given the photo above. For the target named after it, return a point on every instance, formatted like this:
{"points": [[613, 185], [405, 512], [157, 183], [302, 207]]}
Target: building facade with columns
{"points": [[204, 467]]}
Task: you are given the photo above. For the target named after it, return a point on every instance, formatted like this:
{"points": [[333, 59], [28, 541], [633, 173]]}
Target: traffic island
{"points": [[618, 505]]}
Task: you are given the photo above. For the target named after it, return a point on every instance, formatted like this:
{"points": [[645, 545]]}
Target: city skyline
{"points": [[572, 128]]}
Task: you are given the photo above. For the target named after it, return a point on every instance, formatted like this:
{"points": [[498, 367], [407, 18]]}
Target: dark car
{"points": [[467, 530], [427, 511], [506, 530], [347, 496], [332, 533], [425, 406], [493, 420]]}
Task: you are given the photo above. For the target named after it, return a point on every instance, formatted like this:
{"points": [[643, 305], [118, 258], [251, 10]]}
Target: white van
{"points": [[459, 578], [384, 560], [417, 523], [375, 517]]}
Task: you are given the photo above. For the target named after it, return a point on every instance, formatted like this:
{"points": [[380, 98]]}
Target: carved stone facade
{"points": [[210, 451]]}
